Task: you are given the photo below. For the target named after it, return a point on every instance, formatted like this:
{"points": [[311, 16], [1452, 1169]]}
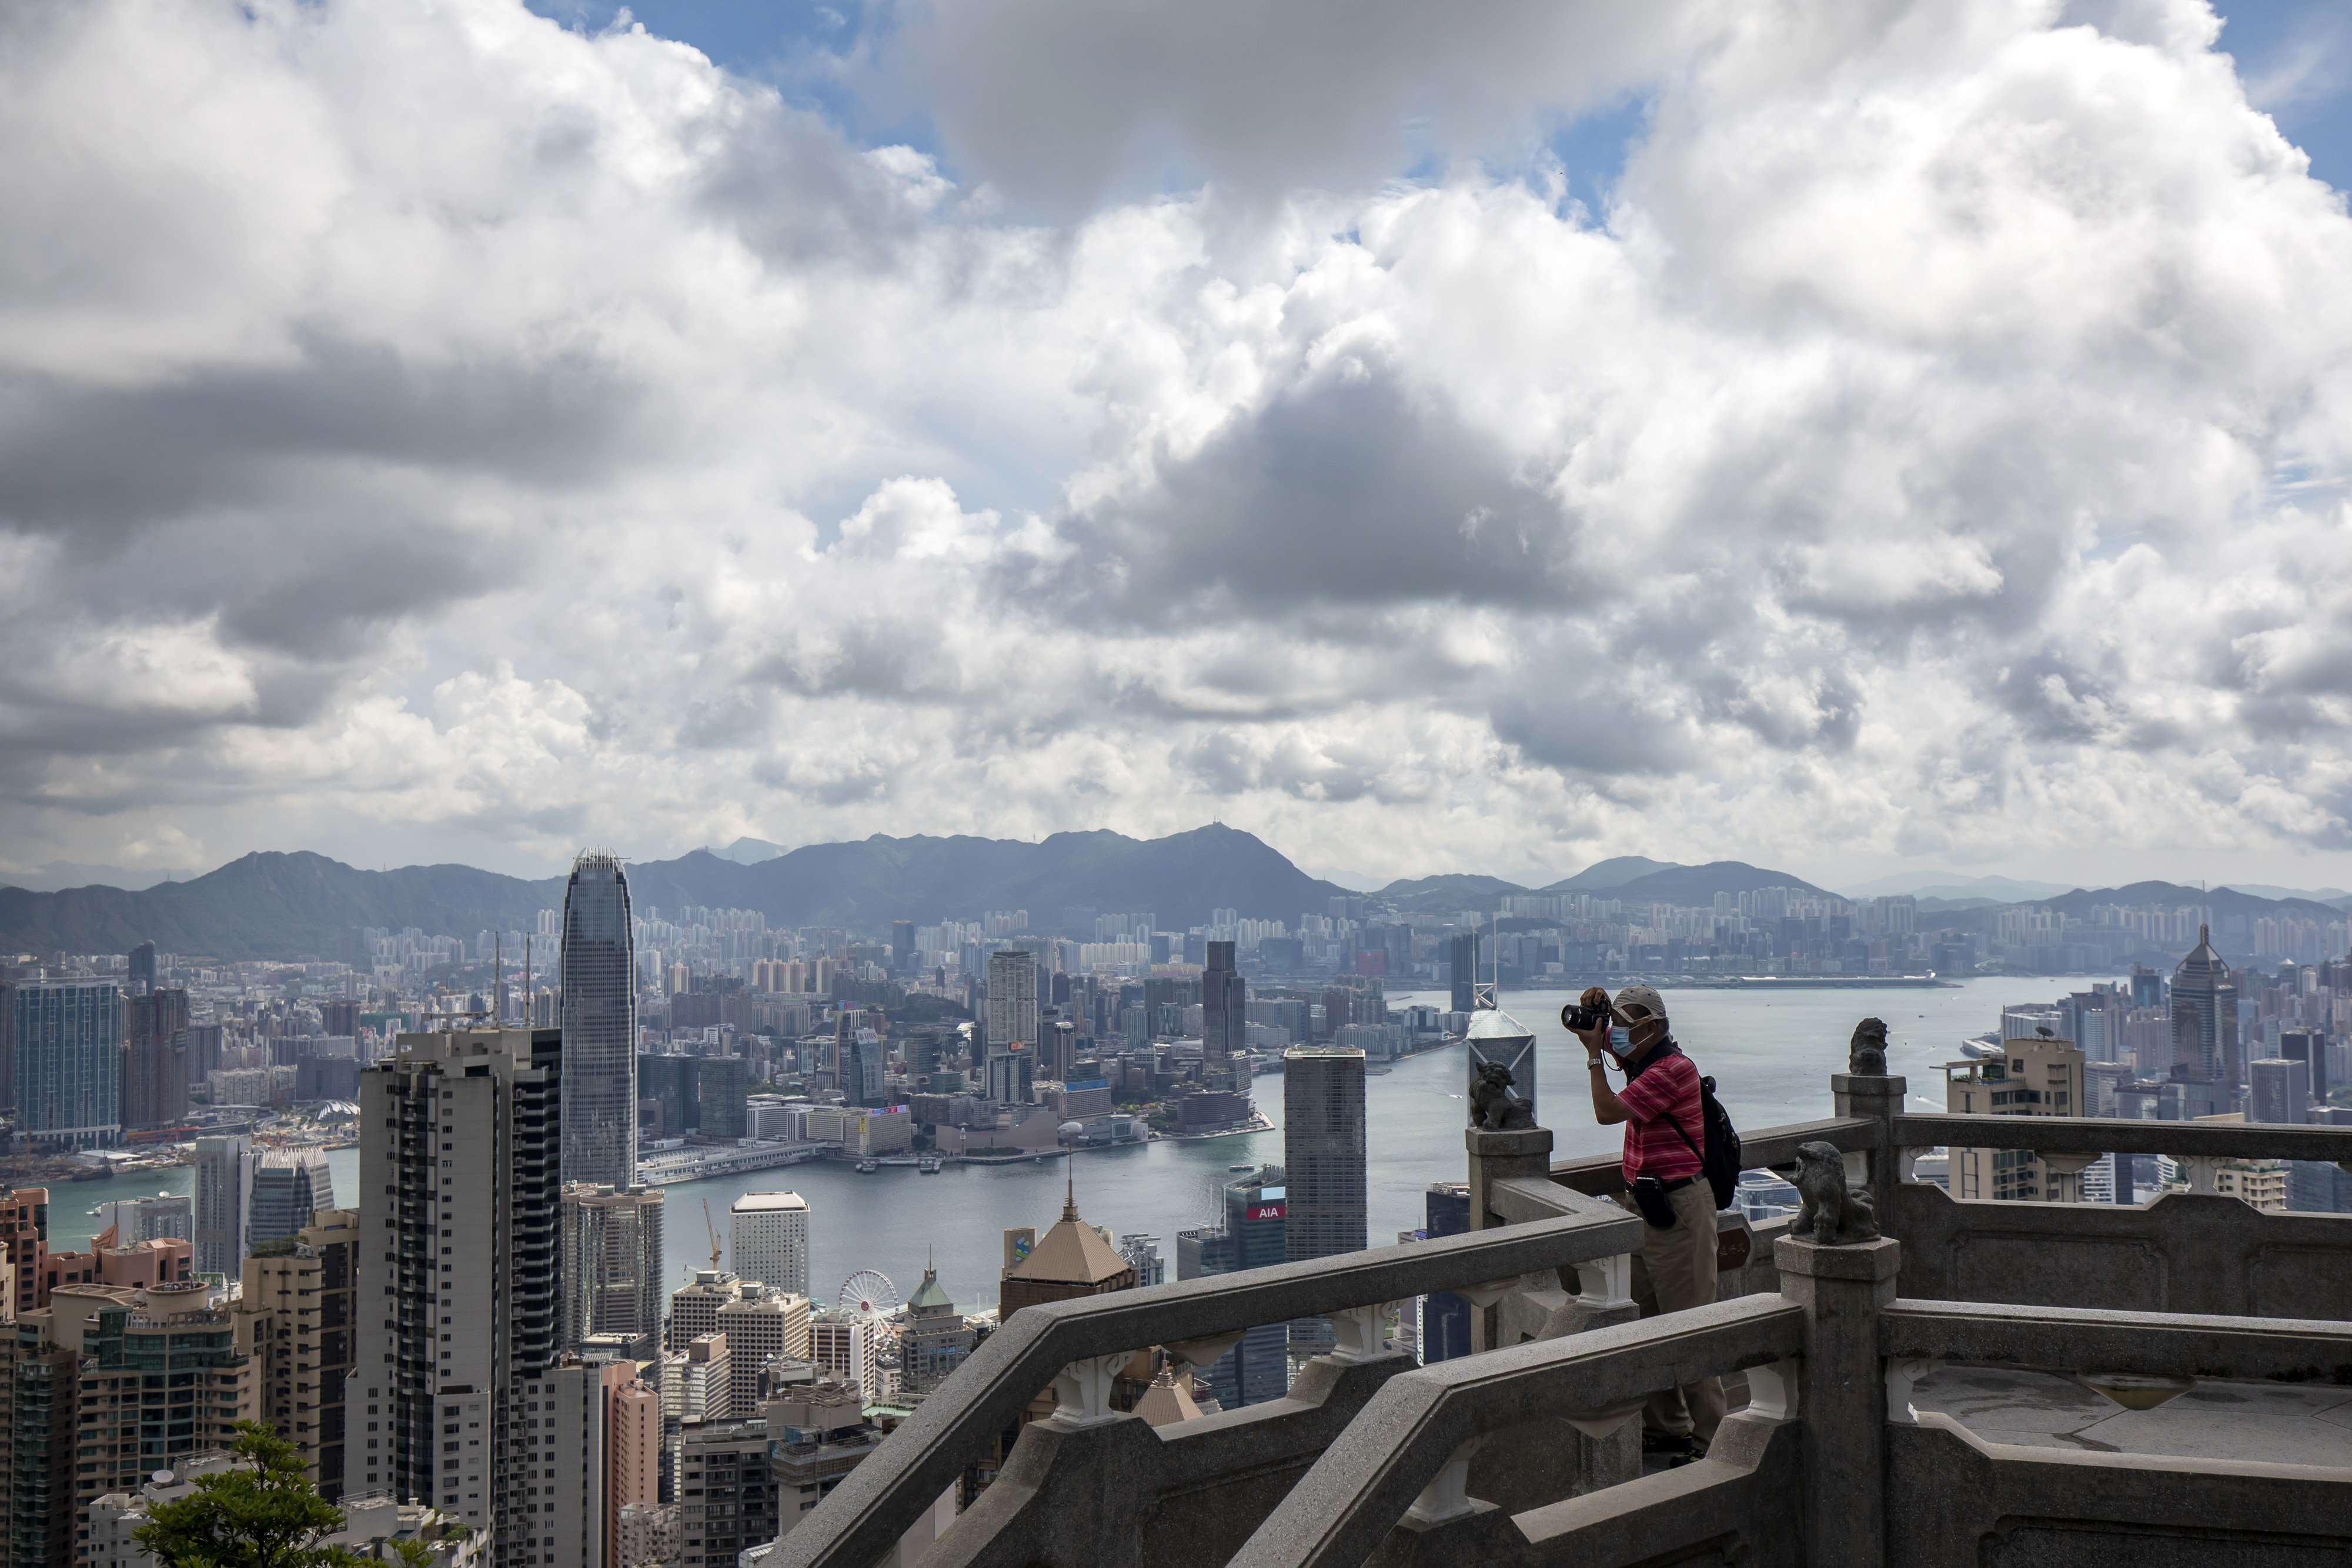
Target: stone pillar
{"points": [[1841, 1394], [1878, 1099], [1497, 1157]]}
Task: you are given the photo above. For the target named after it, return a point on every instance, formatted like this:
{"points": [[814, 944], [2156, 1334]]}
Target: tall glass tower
{"points": [[600, 1025]]}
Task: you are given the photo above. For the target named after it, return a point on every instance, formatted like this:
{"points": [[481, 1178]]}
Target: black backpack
{"points": [[1719, 1161]]}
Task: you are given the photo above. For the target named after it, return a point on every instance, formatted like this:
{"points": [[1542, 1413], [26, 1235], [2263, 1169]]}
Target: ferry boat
{"points": [[868, 1166], [931, 1165]]}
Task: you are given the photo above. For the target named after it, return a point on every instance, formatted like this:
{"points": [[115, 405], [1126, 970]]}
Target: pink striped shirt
{"points": [[1666, 1084]]}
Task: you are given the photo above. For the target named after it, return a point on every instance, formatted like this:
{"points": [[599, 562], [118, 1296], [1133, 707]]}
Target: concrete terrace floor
{"points": [[2266, 1423]]}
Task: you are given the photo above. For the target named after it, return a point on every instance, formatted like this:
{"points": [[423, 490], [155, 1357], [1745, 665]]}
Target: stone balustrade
{"points": [[1061, 1343], [1525, 1451]]}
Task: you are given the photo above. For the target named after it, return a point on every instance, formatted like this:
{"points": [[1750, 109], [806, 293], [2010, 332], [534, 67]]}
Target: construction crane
{"points": [[714, 1232]]}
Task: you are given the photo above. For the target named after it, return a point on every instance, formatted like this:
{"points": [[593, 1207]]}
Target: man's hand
{"points": [[1596, 1037]]}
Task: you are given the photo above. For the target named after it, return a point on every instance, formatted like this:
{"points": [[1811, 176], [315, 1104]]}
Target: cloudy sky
{"points": [[1845, 435]]}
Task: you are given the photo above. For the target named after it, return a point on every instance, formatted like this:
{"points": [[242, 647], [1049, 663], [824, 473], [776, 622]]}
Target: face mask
{"points": [[1621, 1040]]}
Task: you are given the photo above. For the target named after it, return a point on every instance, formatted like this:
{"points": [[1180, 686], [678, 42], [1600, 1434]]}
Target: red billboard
{"points": [[1267, 1212]]}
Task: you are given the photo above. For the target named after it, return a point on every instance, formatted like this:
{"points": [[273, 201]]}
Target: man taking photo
{"points": [[1665, 1132]]}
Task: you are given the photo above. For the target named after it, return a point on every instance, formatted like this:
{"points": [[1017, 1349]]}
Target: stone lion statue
{"points": [[1830, 1215], [1867, 1051], [1494, 1107]]}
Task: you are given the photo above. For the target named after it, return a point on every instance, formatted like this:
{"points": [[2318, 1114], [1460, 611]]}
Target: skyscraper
{"points": [[1224, 1007], [2205, 1030], [1323, 1159], [902, 947], [1251, 1236], [1012, 1001], [2308, 1046], [305, 1284], [1462, 966], [600, 1025], [291, 1188], [458, 1289], [155, 1074], [2281, 1092], [769, 1239], [68, 1035], [1011, 1068], [224, 1166], [613, 1265], [141, 968]]}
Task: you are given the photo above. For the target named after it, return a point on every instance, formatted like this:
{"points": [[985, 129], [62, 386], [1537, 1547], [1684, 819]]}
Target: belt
{"points": [[1677, 1183]]}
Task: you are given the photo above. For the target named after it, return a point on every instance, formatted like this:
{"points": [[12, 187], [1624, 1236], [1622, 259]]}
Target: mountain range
{"points": [[288, 905], [285, 904]]}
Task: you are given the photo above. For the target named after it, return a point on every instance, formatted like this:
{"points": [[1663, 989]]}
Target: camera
{"points": [[1579, 1019]]}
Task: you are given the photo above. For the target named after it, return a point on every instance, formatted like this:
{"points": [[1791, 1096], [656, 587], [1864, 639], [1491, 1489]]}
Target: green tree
{"points": [[268, 1516]]}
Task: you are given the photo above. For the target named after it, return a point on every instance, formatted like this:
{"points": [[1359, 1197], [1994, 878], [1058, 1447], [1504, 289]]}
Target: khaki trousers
{"points": [[1675, 1271]]}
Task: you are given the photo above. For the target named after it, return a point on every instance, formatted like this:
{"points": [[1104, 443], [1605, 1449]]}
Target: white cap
{"points": [[1646, 997]]}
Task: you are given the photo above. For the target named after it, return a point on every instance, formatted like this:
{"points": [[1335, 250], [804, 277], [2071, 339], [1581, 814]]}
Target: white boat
{"points": [[1980, 1047]]}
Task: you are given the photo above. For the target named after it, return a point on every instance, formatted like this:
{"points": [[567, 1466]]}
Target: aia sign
{"points": [[1267, 1212]]}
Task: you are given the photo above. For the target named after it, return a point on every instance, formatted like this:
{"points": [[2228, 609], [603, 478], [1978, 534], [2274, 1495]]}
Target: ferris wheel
{"points": [[869, 1294]]}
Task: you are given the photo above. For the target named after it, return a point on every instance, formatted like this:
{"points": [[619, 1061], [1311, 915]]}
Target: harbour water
{"points": [[1771, 1057]]}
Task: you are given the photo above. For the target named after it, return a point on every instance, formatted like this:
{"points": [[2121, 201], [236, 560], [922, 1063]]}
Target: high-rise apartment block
{"points": [[600, 1025], [66, 1039], [2037, 1077], [1012, 1001], [24, 1247], [768, 1240], [459, 1306], [571, 1484], [165, 1373], [613, 1266], [225, 1167], [727, 1492], [303, 1290], [155, 1072]]}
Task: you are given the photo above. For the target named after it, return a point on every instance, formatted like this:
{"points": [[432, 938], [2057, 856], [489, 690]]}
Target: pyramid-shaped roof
{"points": [[1072, 1253], [929, 1293], [1494, 1023]]}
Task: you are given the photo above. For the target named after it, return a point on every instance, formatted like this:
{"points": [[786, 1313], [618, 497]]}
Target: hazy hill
{"points": [[2222, 902], [282, 905], [1694, 886], [271, 906], [1612, 873], [1440, 895], [1953, 887]]}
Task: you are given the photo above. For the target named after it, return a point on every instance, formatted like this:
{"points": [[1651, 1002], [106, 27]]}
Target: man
{"points": [[1665, 1132]]}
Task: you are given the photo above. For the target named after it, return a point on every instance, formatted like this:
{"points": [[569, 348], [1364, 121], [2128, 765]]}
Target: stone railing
{"points": [[1526, 1451], [1830, 1462], [1101, 1475], [1405, 1461]]}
